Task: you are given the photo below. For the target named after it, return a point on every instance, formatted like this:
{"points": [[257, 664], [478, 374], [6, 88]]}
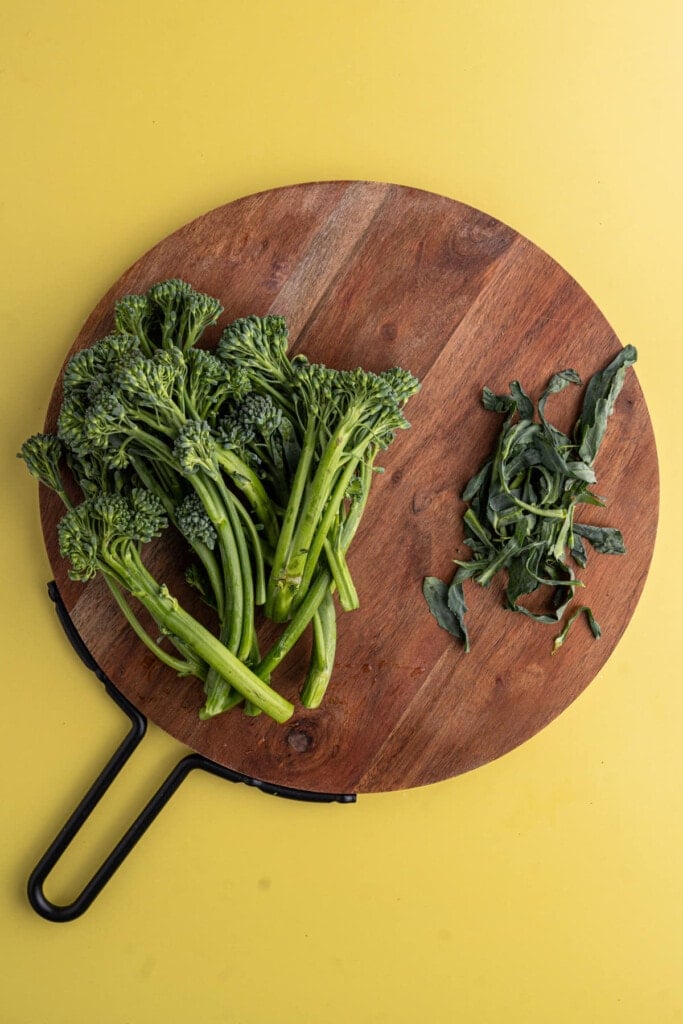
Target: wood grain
{"points": [[377, 275]]}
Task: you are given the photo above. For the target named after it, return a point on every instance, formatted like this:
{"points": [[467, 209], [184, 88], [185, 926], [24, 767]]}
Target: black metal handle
{"points": [[68, 912]]}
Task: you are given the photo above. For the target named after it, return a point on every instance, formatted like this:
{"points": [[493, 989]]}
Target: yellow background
{"points": [[545, 887]]}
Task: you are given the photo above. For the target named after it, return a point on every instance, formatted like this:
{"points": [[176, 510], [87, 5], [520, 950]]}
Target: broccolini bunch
{"points": [[263, 463]]}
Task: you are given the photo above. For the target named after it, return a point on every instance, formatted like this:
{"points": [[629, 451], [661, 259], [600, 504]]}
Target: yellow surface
{"points": [[545, 887]]}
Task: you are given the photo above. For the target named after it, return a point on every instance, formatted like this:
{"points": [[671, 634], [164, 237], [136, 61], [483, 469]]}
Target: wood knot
{"points": [[299, 740], [421, 501], [388, 331], [477, 237]]}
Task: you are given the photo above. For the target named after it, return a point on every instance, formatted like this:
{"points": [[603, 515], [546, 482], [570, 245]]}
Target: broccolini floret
{"points": [[170, 315], [43, 454], [193, 522]]}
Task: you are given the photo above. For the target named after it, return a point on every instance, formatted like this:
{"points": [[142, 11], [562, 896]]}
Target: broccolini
{"points": [[263, 463]]}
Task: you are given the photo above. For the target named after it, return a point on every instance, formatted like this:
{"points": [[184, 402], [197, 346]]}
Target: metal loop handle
{"points": [[68, 912]]}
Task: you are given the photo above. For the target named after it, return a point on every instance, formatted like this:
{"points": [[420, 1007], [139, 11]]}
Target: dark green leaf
{"points": [[594, 627], [547, 455], [504, 501], [497, 403], [477, 482], [437, 594], [578, 551], [521, 579], [584, 497], [474, 527], [605, 539], [581, 471], [558, 382], [469, 570], [593, 433], [598, 404], [456, 604], [525, 407], [607, 383]]}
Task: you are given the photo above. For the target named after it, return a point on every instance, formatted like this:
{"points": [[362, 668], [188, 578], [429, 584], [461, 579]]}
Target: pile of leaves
{"points": [[522, 504]]}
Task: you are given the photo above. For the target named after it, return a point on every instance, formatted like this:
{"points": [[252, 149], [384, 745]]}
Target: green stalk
{"points": [[248, 631], [166, 610], [244, 478], [257, 552], [352, 521], [227, 545], [322, 655], [296, 625], [278, 576], [250, 709], [322, 529], [235, 672], [222, 698], [348, 595], [498, 562], [321, 584], [219, 696], [204, 554], [321, 486], [291, 571], [187, 666]]}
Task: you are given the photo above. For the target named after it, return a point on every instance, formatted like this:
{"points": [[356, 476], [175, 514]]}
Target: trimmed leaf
{"points": [[598, 403], [558, 382], [578, 551], [521, 579], [581, 471], [456, 604], [525, 407], [605, 539], [437, 593], [562, 636], [478, 481], [496, 403]]}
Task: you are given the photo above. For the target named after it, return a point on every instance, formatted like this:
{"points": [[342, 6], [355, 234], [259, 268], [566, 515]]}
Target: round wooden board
{"points": [[376, 275]]}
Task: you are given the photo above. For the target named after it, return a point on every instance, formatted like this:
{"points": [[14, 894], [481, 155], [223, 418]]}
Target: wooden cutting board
{"points": [[376, 275]]}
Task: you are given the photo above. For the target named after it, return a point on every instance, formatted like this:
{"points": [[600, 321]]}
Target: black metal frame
{"points": [[138, 726]]}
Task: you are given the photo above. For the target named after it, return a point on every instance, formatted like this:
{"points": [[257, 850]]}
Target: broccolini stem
{"points": [[250, 709], [166, 611], [257, 551], [309, 560], [322, 655], [214, 575], [244, 478], [277, 604], [248, 629], [206, 556], [320, 584], [223, 696], [216, 655], [184, 667], [355, 514], [153, 446], [348, 595], [238, 630], [230, 560], [321, 485], [296, 625], [316, 520]]}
